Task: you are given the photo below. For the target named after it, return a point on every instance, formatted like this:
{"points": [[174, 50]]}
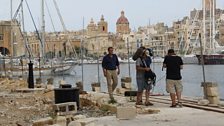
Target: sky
{"points": [[138, 12]]}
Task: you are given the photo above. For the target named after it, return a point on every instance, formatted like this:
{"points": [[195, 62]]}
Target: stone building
{"points": [[11, 41], [97, 40], [122, 25], [56, 45]]}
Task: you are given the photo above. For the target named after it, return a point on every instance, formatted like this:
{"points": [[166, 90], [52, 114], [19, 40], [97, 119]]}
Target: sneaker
{"points": [[138, 103], [173, 106], [180, 104], [148, 104], [112, 101]]}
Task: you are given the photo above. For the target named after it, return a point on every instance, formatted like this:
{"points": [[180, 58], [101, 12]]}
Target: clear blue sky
{"points": [[138, 12]]}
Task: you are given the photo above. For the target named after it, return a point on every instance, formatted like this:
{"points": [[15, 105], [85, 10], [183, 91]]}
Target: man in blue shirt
{"points": [[111, 70]]}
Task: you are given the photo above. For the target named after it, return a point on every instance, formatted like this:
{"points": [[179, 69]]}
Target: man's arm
{"points": [[104, 67]]}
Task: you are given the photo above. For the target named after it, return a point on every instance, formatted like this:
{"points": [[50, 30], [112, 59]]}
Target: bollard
{"points": [[30, 77], [211, 92]]}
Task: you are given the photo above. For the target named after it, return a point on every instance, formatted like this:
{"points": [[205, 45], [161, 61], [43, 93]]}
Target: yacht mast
{"points": [[42, 53], [204, 29], [214, 26]]}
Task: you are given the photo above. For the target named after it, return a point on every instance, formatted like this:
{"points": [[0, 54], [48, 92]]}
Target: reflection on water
{"points": [[192, 77]]}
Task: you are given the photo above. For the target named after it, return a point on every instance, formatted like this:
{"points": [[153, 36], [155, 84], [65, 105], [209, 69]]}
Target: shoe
{"points": [[148, 104], [138, 103], [173, 106], [180, 104], [112, 101]]}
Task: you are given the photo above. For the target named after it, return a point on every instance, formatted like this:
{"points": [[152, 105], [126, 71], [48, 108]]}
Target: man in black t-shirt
{"points": [[173, 65]]}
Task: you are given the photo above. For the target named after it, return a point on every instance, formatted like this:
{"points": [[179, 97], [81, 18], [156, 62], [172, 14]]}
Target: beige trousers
{"points": [[112, 81]]}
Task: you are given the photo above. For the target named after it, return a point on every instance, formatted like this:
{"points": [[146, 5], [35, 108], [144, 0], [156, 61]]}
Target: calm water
{"points": [[192, 77]]}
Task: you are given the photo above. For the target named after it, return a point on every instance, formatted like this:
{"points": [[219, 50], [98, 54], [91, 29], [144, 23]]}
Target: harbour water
{"points": [[192, 77]]}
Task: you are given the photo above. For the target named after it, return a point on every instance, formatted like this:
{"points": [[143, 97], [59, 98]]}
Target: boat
{"points": [[211, 51], [190, 59], [211, 59], [157, 59], [18, 66]]}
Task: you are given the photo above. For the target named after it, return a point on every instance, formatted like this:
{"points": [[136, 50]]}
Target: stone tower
{"points": [[91, 28], [122, 25], [102, 26]]}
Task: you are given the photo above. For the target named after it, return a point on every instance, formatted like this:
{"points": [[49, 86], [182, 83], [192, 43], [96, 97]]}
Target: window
{"points": [[1, 36]]}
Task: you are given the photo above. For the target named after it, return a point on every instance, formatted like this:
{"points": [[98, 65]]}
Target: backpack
{"points": [[149, 74]]}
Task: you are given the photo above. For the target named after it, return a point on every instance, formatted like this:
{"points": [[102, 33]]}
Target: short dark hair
{"points": [[170, 51], [109, 48]]}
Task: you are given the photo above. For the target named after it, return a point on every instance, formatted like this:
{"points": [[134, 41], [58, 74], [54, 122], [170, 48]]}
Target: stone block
{"points": [[87, 122], [43, 122], [61, 82], [61, 120], [126, 85], [96, 89], [50, 87], [76, 117], [212, 91], [213, 100], [50, 81], [126, 79], [121, 90], [74, 123], [68, 108], [203, 102], [126, 112], [108, 107], [38, 81], [79, 85]]}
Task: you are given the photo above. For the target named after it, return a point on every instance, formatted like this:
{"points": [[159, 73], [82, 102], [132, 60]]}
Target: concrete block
{"points": [[126, 112], [126, 79], [126, 85], [212, 91], [213, 100], [87, 122], [43, 122], [68, 108]]}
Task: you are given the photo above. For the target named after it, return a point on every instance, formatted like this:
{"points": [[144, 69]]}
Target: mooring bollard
{"points": [[211, 92]]}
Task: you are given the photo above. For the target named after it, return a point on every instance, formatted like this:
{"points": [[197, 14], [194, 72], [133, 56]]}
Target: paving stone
{"points": [[126, 112]]}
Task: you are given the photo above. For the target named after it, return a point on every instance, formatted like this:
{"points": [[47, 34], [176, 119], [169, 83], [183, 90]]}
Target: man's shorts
{"points": [[173, 86]]}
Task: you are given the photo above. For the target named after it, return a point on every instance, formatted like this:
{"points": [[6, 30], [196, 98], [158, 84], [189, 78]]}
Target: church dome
{"points": [[122, 19]]}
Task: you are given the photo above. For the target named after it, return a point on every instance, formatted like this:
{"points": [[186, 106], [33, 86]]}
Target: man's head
{"points": [[171, 52], [110, 50]]}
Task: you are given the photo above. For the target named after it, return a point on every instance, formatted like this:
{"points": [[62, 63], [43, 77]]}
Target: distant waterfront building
{"points": [[122, 25], [57, 44], [97, 40], [11, 41]]}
